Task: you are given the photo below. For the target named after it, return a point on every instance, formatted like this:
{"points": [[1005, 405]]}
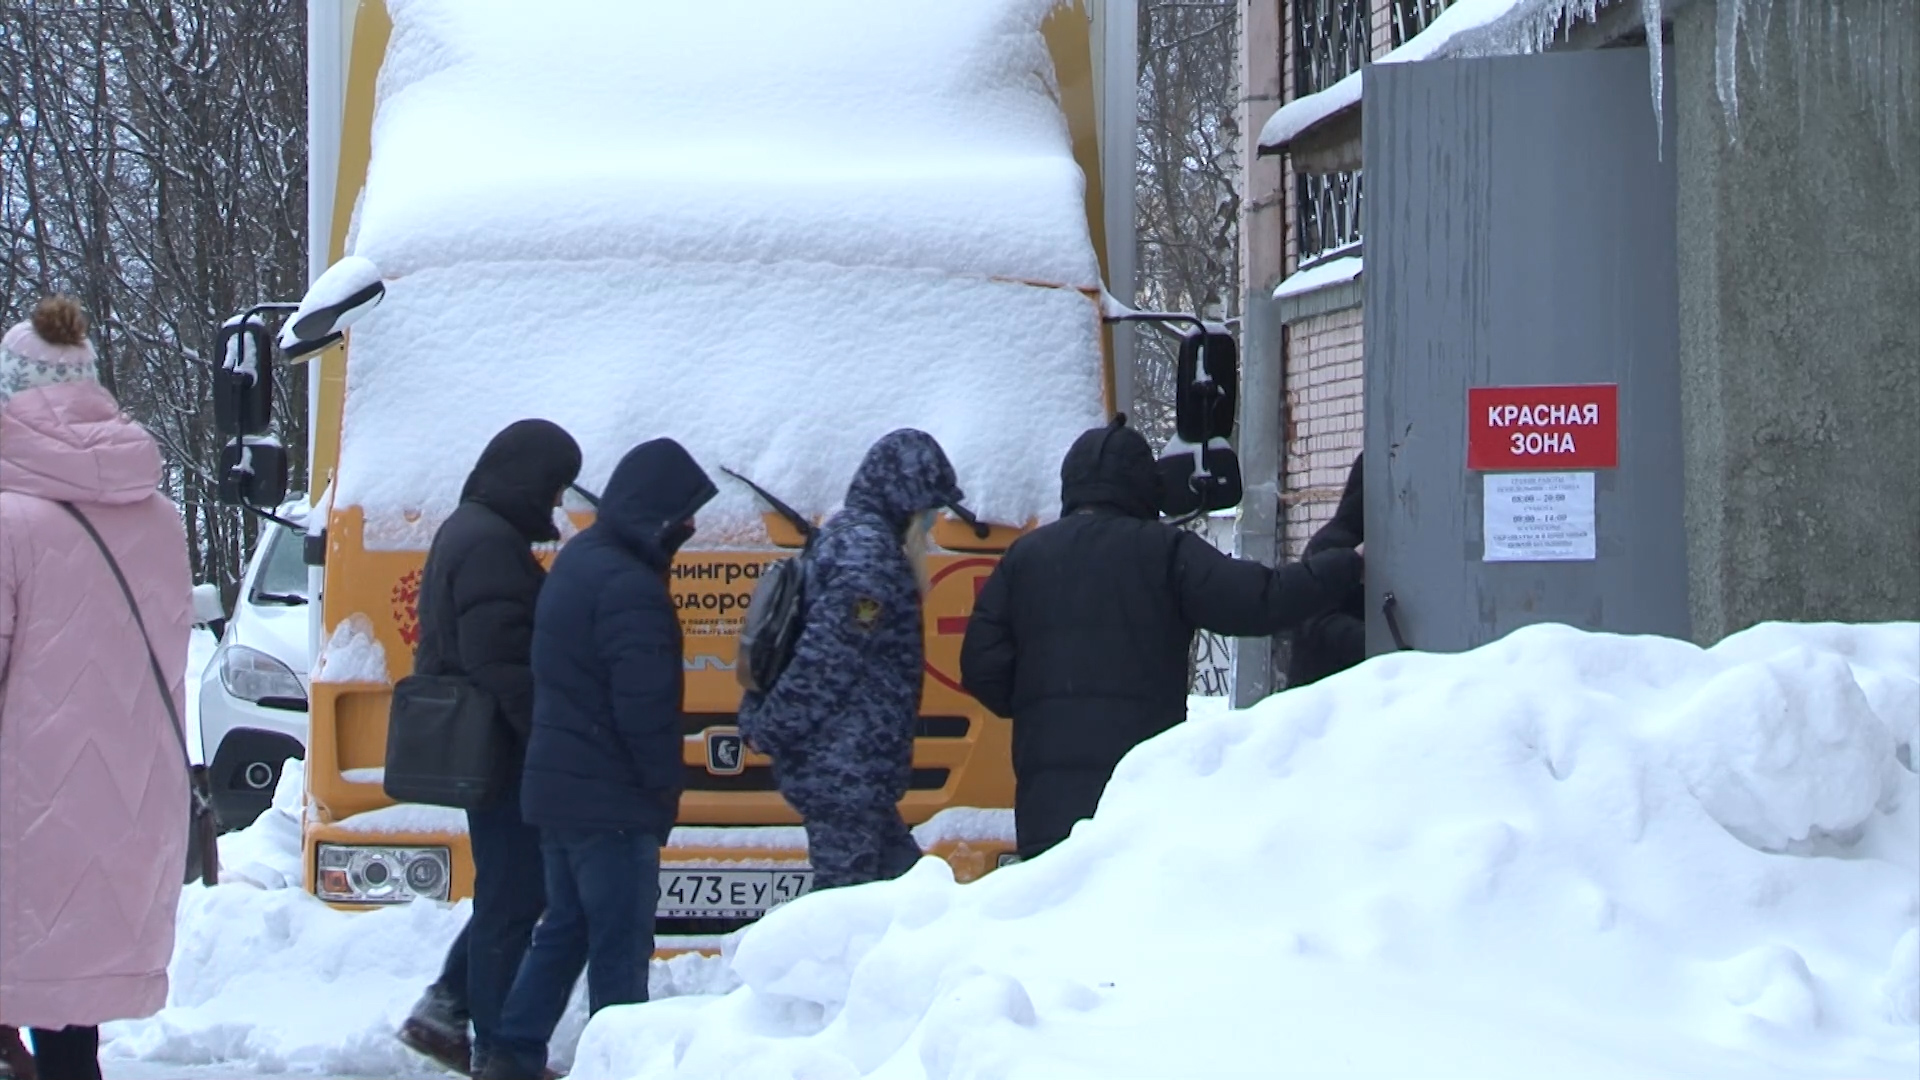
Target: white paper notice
{"points": [[1538, 517]]}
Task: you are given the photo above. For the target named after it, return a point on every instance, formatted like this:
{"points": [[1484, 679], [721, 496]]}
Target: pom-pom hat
{"points": [[48, 349]]}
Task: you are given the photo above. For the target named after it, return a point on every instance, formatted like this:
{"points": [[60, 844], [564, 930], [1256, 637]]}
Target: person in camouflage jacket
{"points": [[839, 723]]}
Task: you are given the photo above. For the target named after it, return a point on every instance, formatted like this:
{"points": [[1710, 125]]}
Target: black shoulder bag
{"points": [[203, 831], [446, 745]]}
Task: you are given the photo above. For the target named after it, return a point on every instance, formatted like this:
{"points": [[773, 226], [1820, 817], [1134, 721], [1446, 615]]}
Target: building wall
{"points": [[1799, 260], [1324, 355], [1324, 419]]}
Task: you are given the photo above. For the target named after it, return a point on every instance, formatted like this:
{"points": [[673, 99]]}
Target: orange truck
{"points": [[726, 207]]}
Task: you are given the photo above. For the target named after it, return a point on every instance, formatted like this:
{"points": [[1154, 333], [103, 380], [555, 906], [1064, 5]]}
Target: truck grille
{"points": [[697, 778]]}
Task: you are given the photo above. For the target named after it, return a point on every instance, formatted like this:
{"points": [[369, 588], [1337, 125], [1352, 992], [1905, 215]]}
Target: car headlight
{"points": [[252, 675], [383, 875]]}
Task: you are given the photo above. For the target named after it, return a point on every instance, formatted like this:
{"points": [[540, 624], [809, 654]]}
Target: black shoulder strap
{"points": [[153, 659], [801, 524]]}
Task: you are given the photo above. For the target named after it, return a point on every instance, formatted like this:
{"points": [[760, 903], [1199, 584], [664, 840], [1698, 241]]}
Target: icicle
{"points": [[1653, 16], [1836, 46]]}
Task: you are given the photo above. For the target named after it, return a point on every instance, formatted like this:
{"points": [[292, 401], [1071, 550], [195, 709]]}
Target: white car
{"points": [[253, 694]]}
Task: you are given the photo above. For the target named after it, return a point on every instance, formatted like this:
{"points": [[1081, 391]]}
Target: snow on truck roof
{"points": [[773, 231]]}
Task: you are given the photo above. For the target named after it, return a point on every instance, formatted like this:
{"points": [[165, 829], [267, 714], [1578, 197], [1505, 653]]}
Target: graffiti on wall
{"points": [[1211, 658]]}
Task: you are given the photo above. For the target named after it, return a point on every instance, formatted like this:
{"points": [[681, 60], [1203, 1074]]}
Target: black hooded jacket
{"points": [[1336, 640], [607, 656], [1082, 634], [481, 581]]}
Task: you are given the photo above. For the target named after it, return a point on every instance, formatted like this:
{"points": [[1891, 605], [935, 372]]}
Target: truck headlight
{"points": [[252, 675], [383, 875]]}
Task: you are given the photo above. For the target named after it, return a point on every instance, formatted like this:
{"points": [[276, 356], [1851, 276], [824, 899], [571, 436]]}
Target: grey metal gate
{"points": [[1520, 261]]}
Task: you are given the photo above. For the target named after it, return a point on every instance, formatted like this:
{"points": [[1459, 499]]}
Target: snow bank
{"points": [[267, 979], [1563, 854], [268, 853], [352, 654], [772, 231]]}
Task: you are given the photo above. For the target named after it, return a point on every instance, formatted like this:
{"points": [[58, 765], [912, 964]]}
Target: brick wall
{"points": [[1324, 419], [1325, 409]]}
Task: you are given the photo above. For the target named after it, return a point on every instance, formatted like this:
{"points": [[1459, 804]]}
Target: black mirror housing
{"points": [[1206, 387], [1188, 489], [253, 472], [243, 380], [302, 350], [336, 317]]}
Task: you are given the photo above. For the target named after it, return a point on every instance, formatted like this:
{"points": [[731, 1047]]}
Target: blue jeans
{"points": [[507, 900], [602, 886]]}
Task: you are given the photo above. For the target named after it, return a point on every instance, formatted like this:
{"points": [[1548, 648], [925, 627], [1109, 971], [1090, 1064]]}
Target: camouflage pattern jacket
{"points": [[839, 723]]}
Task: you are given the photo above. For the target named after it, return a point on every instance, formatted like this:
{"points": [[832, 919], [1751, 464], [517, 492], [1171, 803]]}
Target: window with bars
{"points": [[1412, 16], [1327, 218], [1331, 39]]}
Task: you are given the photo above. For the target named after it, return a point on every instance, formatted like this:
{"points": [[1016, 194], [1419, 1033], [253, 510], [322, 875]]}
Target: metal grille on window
{"points": [[1328, 217], [1331, 39], [1412, 16]]}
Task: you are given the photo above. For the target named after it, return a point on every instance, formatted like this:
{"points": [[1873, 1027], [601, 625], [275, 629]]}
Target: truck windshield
{"points": [[283, 577]]}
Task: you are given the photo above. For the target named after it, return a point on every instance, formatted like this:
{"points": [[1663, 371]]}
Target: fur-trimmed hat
{"points": [[48, 349]]}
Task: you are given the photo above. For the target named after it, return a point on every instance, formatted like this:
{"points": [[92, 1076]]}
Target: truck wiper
{"points": [[283, 599]]}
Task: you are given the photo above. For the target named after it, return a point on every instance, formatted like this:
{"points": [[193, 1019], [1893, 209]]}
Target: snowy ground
{"points": [[1564, 854]]}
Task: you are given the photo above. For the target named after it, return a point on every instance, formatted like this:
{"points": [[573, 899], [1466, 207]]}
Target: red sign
{"points": [[1543, 428]]}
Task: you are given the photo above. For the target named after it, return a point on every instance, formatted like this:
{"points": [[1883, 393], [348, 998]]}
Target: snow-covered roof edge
{"points": [[1468, 28], [1333, 272]]}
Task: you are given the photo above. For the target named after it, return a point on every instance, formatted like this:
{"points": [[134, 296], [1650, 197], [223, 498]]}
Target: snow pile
{"points": [[1563, 854], [268, 853], [352, 654], [772, 231], [277, 982]]}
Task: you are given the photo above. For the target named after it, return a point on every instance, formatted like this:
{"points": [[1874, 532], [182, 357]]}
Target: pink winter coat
{"points": [[93, 791]]}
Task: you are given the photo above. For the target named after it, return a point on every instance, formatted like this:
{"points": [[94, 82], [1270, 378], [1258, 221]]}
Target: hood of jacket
{"points": [[903, 475], [1347, 528], [71, 443], [522, 472], [1112, 467], [656, 487]]}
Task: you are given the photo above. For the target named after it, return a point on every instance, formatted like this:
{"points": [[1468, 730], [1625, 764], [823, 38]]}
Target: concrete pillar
{"points": [[1263, 253], [1799, 260]]}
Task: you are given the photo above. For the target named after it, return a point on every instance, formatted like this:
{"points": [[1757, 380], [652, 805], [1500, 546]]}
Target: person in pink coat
{"points": [[93, 787]]}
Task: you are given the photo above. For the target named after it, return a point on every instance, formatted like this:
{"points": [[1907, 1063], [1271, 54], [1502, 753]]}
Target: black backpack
{"points": [[777, 613]]}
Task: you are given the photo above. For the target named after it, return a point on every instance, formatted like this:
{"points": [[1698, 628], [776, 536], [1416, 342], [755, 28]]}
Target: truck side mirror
{"points": [[243, 382], [339, 298], [1206, 387], [253, 472], [1199, 480]]}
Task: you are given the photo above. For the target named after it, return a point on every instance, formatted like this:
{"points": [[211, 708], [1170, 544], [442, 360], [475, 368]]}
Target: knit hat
{"points": [[48, 349]]}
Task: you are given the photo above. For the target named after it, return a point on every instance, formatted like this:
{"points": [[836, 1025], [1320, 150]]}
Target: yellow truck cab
{"points": [[772, 231]]}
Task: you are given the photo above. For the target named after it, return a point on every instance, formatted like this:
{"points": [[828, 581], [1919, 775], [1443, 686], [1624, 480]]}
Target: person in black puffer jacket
{"points": [[1334, 641], [1082, 634], [603, 773], [477, 598]]}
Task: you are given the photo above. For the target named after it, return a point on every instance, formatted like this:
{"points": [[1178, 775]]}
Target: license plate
{"points": [[698, 893]]}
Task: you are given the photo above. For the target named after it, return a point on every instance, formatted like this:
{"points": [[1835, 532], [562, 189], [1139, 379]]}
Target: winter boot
{"points": [[437, 1030], [15, 1062]]}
